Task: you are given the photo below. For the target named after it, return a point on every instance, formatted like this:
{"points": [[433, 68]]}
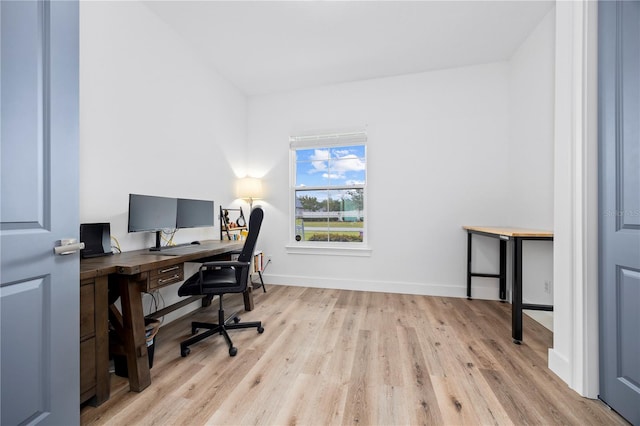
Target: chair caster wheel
{"points": [[233, 351], [236, 319], [260, 330], [184, 352]]}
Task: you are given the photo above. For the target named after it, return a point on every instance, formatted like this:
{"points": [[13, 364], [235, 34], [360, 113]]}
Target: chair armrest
{"points": [[221, 263], [225, 263]]}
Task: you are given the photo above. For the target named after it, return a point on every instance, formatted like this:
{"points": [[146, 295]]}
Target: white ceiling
{"points": [[264, 47]]}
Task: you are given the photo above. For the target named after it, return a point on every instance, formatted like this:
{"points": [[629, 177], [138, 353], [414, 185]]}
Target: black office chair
{"points": [[219, 278]]}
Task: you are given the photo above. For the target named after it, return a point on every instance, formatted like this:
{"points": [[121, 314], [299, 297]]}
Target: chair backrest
{"points": [[255, 222]]}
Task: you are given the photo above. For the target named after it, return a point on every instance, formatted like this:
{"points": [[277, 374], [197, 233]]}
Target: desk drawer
{"points": [[165, 276], [87, 309], [87, 369]]}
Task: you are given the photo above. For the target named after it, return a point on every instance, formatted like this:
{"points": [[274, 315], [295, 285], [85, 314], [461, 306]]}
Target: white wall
{"points": [[153, 120], [531, 141], [437, 160]]}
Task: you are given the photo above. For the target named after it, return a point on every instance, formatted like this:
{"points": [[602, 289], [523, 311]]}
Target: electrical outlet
{"points": [[547, 286]]}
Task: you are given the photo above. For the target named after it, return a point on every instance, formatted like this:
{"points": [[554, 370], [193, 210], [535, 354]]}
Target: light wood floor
{"points": [[345, 357]]}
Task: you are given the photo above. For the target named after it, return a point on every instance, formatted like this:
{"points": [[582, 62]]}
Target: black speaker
{"points": [[96, 238]]}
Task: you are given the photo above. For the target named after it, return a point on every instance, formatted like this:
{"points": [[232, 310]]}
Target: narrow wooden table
{"points": [[505, 234], [132, 273]]}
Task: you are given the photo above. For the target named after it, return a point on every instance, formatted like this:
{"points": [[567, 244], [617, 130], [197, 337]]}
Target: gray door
{"points": [[619, 124], [39, 291]]}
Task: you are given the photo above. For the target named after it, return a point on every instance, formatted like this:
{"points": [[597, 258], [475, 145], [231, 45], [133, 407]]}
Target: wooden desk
{"points": [[505, 234], [133, 273]]}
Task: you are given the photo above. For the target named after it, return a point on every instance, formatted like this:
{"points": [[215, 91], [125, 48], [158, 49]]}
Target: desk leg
{"points": [[516, 309], [134, 334], [468, 265], [503, 270], [248, 299]]}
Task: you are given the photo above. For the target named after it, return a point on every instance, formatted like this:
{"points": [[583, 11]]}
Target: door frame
{"points": [[574, 356]]}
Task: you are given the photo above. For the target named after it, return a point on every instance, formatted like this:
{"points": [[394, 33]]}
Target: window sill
{"points": [[329, 250]]}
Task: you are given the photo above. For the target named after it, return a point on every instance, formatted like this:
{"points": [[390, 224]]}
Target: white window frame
{"points": [[326, 140]]}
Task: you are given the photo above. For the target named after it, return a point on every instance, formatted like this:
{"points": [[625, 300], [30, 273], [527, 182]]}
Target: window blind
{"points": [[327, 139]]}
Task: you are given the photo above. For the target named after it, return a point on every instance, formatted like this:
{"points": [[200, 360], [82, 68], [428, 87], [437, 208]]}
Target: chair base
{"points": [[220, 328]]}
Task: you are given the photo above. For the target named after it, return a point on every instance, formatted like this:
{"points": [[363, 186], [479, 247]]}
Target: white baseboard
{"points": [[400, 287], [559, 365]]}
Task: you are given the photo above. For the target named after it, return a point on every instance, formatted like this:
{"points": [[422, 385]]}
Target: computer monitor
{"points": [[194, 213], [149, 213]]}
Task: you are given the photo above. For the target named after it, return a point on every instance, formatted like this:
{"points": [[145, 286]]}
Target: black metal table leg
{"points": [[516, 313], [503, 269], [264, 290], [468, 265]]}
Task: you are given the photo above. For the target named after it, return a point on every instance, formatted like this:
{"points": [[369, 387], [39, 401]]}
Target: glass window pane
{"points": [[356, 151], [347, 165], [310, 201], [312, 167], [345, 215], [304, 154], [311, 215]]}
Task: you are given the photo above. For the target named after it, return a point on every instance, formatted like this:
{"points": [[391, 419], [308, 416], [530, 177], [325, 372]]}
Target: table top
{"points": [[137, 261], [510, 232]]}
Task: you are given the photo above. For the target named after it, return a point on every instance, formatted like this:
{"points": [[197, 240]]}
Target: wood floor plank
{"points": [[422, 403], [389, 351], [360, 402], [208, 390], [327, 343], [513, 403], [464, 377], [340, 363], [390, 405], [324, 391], [334, 357]]}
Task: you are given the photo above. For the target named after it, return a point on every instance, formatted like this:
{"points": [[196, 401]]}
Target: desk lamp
{"points": [[249, 189]]}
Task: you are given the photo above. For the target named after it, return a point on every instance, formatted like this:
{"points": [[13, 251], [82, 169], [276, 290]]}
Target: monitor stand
{"points": [[157, 247]]}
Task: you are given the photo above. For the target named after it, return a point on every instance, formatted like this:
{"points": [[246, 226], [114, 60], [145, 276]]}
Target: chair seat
{"points": [[215, 281]]}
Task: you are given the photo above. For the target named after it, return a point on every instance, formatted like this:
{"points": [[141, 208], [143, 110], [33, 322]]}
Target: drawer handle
{"points": [[173, 268], [173, 278]]}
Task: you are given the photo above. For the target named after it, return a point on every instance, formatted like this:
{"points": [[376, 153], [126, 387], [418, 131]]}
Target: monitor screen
{"points": [[150, 213], [194, 213]]}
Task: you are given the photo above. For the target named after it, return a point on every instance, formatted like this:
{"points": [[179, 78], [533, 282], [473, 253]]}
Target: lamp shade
{"points": [[249, 188]]}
